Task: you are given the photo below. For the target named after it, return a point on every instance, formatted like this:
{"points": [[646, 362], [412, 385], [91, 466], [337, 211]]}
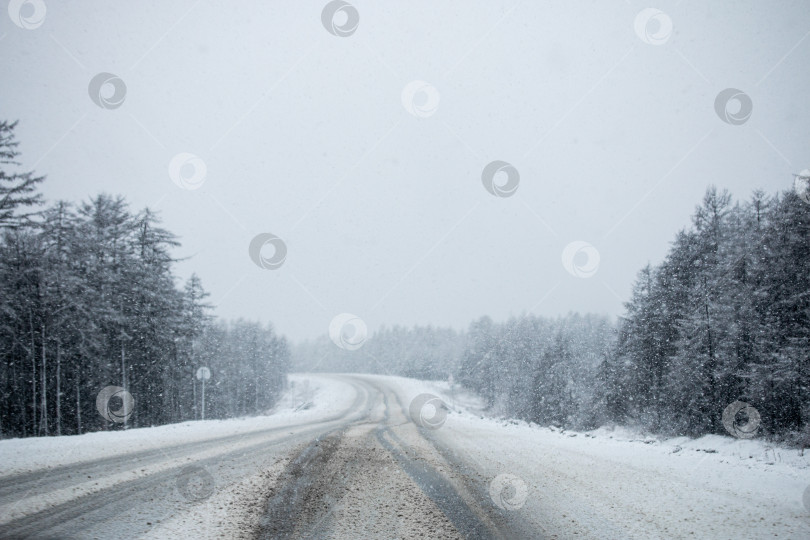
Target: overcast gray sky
{"points": [[606, 113]]}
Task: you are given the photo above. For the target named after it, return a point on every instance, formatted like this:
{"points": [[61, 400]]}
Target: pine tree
{"points": [[18, 191]]}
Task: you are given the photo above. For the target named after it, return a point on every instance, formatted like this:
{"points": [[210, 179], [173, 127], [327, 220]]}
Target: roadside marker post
{"points": [[203, 374]]}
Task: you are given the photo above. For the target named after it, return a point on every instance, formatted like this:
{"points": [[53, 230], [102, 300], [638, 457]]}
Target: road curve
{"points": [[366, 471]]}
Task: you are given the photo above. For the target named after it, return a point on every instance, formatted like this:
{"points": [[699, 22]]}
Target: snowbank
{"points": [[615, 483], [315, 397]]}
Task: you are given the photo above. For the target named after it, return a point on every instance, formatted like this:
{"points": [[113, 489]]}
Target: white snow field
{"points": [[612, 483], [343, 458]]}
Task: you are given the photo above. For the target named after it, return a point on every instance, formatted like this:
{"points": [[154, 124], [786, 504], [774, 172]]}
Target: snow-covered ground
{"points": [[309, 399], [39, 476], [606, 483], [614, 483]]}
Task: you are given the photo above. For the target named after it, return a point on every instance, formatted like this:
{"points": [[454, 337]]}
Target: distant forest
{"points": [[725, 317], [88, 300]]}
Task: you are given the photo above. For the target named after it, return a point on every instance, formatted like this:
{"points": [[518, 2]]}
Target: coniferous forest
{"points": [[725, 317], [88, 300]]}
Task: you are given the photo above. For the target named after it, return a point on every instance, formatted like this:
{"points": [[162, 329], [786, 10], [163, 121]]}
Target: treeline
{"points": [[249, 364], [725, 317], [539, 369], [536, 368], [88, 300]]}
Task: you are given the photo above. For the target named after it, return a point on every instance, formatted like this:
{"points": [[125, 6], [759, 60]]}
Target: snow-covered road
{"points": [[344, 458]]}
